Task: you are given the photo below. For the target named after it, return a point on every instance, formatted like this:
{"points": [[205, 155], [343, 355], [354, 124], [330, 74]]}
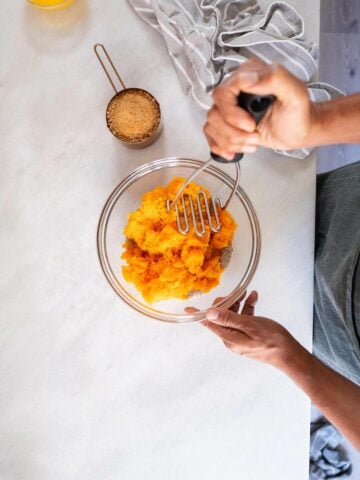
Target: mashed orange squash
{"points": [[163, 263]]}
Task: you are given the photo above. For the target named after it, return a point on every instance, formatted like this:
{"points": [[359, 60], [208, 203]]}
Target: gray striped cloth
{"points": [[328, 458], [208, 39]]}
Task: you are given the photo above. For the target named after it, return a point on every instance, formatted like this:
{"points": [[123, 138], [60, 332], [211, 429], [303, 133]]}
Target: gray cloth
{"points": [[337, 271], [327, 457], [208, 39]]}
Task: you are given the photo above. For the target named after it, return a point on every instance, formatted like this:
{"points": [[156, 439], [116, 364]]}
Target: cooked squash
{"points": [[161, 262]]}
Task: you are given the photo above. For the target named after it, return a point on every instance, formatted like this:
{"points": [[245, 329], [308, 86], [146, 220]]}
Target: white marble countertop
{"points": [[90, 389]]}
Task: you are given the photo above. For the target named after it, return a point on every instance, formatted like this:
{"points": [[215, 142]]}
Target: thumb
{"points": [[260, 78], [225, 318]]}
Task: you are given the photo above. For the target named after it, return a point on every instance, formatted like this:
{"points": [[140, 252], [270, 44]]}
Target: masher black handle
{"points": [[257, 106]]}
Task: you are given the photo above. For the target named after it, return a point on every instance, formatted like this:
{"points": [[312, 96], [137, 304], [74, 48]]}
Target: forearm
{"points": [[336, 121], [336, 397]]}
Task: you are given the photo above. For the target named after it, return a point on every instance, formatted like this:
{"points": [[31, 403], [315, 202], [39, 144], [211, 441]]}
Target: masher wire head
{"points": [[209, 205], [196, 212]]}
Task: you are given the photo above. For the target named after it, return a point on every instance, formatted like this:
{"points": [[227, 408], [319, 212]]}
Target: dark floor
{"points": [[339, 66]]}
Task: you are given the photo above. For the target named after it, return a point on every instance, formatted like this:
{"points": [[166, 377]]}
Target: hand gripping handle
{"points": [[257, 106]]}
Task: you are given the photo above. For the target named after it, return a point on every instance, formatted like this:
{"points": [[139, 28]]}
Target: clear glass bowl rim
{"points": [[104, 219]]}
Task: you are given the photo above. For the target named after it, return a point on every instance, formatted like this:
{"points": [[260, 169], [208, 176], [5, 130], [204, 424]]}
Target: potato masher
{"points": [[257, 106]]}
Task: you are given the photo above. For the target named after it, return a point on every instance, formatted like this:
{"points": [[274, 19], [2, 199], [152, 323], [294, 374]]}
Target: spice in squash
{"points": [[161, 262]]}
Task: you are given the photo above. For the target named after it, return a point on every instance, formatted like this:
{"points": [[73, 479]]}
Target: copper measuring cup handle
{"points": [[98, 46]]}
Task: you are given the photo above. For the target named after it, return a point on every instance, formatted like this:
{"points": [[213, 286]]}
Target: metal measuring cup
{"points": [[130, 110]]}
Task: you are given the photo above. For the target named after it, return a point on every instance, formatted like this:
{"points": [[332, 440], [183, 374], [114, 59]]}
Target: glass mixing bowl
{"points": [[126, 198]]}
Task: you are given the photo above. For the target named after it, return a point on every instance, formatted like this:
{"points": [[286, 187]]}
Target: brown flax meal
{"points": [[133, 115]]}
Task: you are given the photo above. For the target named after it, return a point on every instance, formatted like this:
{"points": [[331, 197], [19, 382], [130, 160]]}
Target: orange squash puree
{"points": [[161, 262]]}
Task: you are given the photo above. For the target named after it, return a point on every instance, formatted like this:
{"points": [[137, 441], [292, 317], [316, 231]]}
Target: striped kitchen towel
{"points": [[328, 457], [208, 39]]}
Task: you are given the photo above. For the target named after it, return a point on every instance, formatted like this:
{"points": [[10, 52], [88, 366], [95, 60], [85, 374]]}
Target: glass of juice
{"points": [[50, 4]]}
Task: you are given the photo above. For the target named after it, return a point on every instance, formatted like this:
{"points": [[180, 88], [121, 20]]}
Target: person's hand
{"points": [[287, 124], [246, 334]]}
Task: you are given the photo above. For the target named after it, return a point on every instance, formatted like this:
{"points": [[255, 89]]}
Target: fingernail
{"points": [[248, 77], [212, 314], [252, 142], [249, 149], [228, 156]]}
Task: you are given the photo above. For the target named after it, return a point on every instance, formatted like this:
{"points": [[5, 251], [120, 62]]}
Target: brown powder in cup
{"points": [[133, 115]]}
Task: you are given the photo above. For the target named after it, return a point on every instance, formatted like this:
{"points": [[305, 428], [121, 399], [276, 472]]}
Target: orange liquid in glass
{"points": [[51, 4]]}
